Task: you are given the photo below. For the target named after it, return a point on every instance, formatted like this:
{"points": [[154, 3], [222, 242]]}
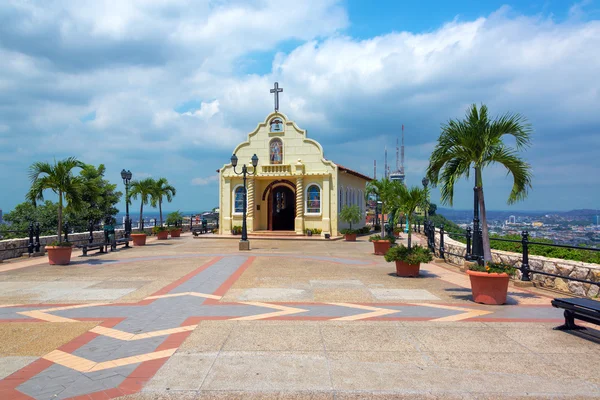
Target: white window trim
{"points": [[233, 212], [312, 214]]}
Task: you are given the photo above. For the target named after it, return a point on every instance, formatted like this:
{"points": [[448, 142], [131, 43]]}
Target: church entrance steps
{"points": [[275, 236], [274, 233]]}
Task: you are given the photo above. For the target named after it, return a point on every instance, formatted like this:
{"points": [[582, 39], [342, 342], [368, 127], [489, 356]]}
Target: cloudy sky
{"points": [[169, 87]]}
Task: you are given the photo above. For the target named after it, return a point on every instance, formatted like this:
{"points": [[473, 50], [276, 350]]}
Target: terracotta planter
{"points": [[163, 235], [139, 239], [381, 247], [58, 255], [350, 237], [407, 270], [488, 288], [176, 233]]}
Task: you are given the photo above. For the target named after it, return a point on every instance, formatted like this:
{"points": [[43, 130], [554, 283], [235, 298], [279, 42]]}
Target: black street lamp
{"points": [[244, 245], [425, 182], [126, 175]]}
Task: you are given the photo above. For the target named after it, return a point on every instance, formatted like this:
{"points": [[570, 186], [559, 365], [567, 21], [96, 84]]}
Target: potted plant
{"points": [[173, 219], [489, 283], [161, 232], [381, 244], [408, 259], [59, 253], [350, 214], [139, 239], [236, 230], [59, 178], [309, 232]]}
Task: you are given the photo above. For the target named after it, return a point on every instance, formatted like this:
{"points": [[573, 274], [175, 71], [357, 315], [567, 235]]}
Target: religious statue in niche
{"points": [[276, 125], [276, 151]]}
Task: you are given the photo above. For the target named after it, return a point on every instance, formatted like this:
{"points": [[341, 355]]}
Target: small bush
{"points": [[497, 268], [415, 255], [158, 229], [348, 231], [60, 244], [390, 239], [236, 230]]}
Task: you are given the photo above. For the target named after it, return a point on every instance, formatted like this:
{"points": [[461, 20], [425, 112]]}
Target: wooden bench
{"points": [[92, 246], [584, 309], [118, 242]]}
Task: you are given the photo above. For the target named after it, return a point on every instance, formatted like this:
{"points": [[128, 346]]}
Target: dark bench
{"points": [[92, 246], [119, 242], [584, 309]]}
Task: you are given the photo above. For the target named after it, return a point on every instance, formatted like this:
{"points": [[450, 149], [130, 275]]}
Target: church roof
{"points": [[352, 172]]}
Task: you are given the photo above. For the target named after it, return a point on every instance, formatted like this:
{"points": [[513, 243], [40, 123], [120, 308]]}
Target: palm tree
{"points": [[476, 142], [162, 189], [59, 178], [407, 201], [145, 189], [382, 188]]}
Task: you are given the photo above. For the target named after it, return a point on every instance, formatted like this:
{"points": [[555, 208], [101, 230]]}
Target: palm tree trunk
{"points": [[487, 251], [141, 215], [160, 211], [60, 206]]}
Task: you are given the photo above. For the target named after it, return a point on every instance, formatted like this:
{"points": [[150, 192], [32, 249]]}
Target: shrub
{"points": [[415, 255], [316, 231], [364, 230], [158, 229], [497, 268], [348, 231], [236, 230], [390, 239], [377, 228], [174, 218], [60, 244]]}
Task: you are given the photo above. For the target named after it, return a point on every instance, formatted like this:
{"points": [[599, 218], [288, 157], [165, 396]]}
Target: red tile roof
{"points": [[352, 172]]}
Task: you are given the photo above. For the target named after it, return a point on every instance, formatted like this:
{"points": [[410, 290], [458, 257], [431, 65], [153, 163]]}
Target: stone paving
{"points": [[188, 318]]}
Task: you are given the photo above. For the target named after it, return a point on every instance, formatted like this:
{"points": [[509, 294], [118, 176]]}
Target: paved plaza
{"points": [[195, 318]]}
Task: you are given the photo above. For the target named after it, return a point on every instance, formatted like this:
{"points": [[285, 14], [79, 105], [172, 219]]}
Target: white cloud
{"points": [[205, 181]]}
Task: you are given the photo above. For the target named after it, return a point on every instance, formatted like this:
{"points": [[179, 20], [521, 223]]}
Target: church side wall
{"points": [[355, 195]]}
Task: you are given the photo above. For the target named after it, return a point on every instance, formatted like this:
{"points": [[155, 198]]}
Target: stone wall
{"points": [[574, 269], [9, 248]]}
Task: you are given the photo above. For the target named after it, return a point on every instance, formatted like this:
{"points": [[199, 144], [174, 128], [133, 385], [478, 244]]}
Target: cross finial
{"points": [[276, 90]]}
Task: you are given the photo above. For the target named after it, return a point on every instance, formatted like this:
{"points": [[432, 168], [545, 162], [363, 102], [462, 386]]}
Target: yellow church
{"points": [[293, 187]]}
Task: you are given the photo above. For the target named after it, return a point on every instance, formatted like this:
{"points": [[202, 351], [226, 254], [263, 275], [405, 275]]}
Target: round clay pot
{"points": [[488, 288], [139, 239], [407, 270], [381, 247], [59, 255], [350, 237], [176, 233], [163, 235]]}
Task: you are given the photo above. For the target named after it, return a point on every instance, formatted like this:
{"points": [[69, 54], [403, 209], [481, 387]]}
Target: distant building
{"points": [[537, 224], [512, 219]]}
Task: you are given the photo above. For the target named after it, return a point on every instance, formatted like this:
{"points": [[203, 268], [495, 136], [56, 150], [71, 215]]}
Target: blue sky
{"points": [[169, 88]]}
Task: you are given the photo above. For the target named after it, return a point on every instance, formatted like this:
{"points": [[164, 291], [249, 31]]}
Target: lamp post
{"points": [[126, 175], [425, 182], [244, 244], [477, 245]]}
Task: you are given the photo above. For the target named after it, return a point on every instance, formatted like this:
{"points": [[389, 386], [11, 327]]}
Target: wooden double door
{"points": [[282, 209]]}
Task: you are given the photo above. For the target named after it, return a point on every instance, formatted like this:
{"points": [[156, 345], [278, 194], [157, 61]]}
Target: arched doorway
{"points": [[282, 209]]}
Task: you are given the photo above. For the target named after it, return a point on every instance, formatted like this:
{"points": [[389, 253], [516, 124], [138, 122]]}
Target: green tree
{"points": [[144, 188], [162, 189], [407, 201], [46, 214], [59, 178], [99, 199], [350, 214], [476, 142], [383, 190]]}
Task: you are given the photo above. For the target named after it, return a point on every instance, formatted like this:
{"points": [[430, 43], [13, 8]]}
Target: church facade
{"points": [[293, 188]]}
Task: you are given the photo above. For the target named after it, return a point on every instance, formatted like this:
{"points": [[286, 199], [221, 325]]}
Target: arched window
{"points": [[238, 199], [313, 199], [347, 196], [276, 151], [341, 200]]}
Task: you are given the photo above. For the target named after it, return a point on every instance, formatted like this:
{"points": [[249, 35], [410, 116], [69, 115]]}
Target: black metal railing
{"points": [[474, 249]]}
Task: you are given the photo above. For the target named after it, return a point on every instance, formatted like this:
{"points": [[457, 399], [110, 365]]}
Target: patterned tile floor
{"points": [[133, 340]]}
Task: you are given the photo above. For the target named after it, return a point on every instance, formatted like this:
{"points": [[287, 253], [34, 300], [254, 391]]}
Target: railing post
{"points": [[91, 228], [66, 231], [442, 241], [419, 226], [191, 222], [142, 225], [468, 255], [30, 244], [480, 259], [37, 237], [525, 261]]}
